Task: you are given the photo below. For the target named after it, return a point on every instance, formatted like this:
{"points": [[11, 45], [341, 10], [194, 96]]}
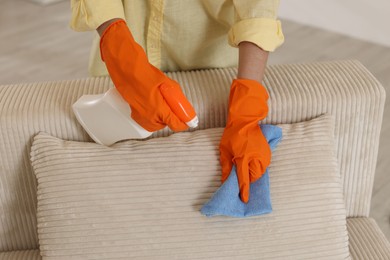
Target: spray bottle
{"points": [[106, 117]]}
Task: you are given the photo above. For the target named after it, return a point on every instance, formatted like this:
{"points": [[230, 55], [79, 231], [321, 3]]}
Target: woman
{"points": [[139, 39]]}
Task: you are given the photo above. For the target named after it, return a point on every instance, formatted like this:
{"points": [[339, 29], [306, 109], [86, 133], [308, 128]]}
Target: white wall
{"points": [[363, 19]]}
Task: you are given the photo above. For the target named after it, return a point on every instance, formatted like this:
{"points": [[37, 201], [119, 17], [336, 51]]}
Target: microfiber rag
{"points": [[226, 200]]}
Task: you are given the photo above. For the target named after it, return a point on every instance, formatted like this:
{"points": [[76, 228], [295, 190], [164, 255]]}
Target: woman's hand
{"points": [[242, 142], [136, 79]]}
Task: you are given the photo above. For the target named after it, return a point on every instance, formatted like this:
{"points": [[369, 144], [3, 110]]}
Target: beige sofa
{"points": [[298, 92]]}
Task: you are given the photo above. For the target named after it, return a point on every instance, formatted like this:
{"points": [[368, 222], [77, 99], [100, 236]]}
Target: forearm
{"points": [[252, 61]]}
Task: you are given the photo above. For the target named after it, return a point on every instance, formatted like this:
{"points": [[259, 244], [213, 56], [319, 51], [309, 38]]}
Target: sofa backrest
{"points": [[298, 92]]}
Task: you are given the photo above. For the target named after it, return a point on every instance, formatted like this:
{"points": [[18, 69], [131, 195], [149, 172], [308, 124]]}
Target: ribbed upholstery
{"points": [[142, 199], [348, 91], [21, 255], [297, 92], [366, 240], [25, 110]]}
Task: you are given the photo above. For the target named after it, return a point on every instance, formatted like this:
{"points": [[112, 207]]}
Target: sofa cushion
{"points": [[143, 199]]}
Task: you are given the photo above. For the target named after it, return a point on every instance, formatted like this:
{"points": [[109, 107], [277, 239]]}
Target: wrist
{"points": [[252, 61], [106, 24], [247, 101]]}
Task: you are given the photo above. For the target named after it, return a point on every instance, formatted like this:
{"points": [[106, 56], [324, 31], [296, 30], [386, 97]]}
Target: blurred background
{"points": [[36, 44]]}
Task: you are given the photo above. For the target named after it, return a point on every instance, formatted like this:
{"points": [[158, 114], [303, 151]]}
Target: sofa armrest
{"points": [[366, 240], [21, 255]]}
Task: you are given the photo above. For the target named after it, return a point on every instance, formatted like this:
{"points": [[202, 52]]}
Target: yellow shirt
{"points": [[184, 34]]}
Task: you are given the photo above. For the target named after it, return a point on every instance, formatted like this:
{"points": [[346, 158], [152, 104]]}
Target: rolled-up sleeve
{"points": [[88, 15], [255, 21]]}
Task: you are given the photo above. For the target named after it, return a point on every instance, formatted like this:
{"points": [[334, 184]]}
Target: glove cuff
{"points": [[250, 83], [102, 38], [248, 99]]}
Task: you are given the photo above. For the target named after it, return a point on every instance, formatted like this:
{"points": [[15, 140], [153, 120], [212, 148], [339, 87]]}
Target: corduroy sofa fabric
{"points": [[142, 199], [298, 92], [366, 240], [21, 255]]}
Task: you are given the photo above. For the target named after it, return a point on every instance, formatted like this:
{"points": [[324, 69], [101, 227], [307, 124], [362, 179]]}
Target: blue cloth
{"points": [[226, 200]]}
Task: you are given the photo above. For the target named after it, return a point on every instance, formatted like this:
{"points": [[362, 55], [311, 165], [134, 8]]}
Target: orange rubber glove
{"points": [[137, 80], [243, 143]]}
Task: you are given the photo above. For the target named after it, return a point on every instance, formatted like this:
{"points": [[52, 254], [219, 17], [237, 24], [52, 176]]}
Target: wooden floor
{"points": [[36, 44]]}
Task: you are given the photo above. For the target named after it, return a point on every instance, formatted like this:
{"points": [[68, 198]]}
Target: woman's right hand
{"points": [[136, 79]]}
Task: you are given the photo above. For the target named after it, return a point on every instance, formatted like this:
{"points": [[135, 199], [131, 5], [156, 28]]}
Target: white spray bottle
{"points": [[106, 117]]}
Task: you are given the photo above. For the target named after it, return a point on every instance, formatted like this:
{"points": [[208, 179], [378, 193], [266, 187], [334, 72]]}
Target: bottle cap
{"points": [[193, 123]]}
